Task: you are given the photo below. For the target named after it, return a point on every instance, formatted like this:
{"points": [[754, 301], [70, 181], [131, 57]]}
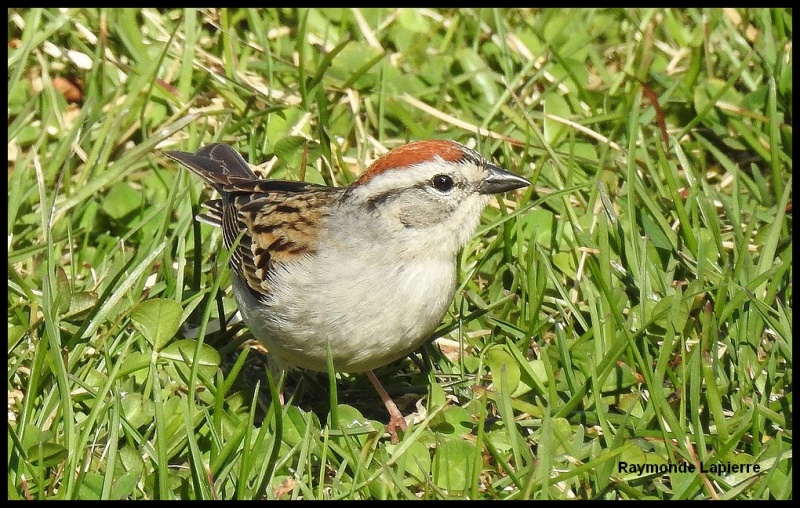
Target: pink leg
{"points": [[396, 419]]}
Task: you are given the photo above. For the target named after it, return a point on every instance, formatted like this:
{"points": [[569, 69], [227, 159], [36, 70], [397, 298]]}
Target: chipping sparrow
{"points": [[367, 270]]}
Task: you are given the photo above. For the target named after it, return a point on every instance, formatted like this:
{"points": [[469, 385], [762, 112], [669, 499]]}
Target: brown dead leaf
{"points": [[70, 89], [284, 488]]}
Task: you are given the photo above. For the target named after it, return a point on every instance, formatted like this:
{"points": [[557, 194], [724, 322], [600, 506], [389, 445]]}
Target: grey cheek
{"points": [[425, 212]]}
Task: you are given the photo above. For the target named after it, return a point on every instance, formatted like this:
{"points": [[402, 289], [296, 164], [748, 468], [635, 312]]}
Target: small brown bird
{"points": [[366, 271]]}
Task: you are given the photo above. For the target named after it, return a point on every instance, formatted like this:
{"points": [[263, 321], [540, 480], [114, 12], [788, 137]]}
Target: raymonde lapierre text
{"points": [[722, 468]]}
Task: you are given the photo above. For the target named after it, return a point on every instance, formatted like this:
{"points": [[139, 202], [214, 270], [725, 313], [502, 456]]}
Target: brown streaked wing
{"points": [[279, 227], [277, 219], [242, 262]]}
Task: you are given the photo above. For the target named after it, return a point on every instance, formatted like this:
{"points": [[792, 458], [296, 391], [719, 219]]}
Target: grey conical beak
{"points": [[499, 180]]}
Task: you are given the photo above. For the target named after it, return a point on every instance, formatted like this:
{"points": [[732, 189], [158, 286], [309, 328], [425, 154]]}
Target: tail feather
{"points": [[218, 164], [212, 214]]}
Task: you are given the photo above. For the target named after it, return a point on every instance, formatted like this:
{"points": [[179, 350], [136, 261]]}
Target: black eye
{"points": [[442, 183]]}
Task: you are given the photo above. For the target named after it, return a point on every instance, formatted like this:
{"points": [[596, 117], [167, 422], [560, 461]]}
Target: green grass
{"points": [[633, 305]]}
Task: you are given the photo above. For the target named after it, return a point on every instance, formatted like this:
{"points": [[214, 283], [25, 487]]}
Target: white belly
{"points": [[366, 317]]}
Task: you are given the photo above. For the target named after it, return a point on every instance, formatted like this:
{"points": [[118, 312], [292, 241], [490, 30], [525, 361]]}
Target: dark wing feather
{"points": [[277, 219]]}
